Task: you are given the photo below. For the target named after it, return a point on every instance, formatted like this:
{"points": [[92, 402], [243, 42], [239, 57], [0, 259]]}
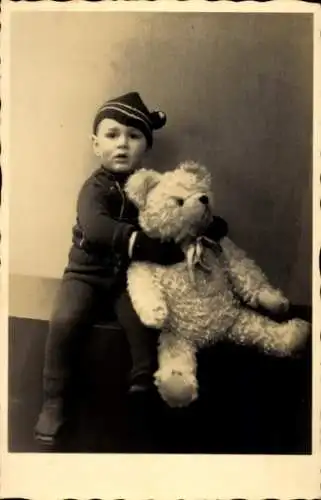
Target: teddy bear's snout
{"points": [[204, 199]]}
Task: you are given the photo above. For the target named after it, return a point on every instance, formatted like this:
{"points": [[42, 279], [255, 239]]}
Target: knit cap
{"points": [[130, 110]]}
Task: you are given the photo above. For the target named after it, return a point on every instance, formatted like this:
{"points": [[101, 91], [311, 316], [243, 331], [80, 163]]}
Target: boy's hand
{"points": [[144, 248]]}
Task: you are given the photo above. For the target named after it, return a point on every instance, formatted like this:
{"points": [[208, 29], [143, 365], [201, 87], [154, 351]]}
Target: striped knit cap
{"points": [[130, 110]]}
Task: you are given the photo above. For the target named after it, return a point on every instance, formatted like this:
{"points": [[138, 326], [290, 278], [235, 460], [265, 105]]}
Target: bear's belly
{"points": [[202, 308]]}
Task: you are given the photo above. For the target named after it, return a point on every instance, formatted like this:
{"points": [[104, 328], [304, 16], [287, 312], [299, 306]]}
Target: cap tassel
{"points": [[158, 119]]}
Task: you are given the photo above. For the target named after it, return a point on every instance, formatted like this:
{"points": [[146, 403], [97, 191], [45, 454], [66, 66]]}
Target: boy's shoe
{"points": [[142, 383], [136, 388], [142, 413], [49, 422]]}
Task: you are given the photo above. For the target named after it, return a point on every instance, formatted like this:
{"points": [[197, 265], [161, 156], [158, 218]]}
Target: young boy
{"points": [[106, 237]]}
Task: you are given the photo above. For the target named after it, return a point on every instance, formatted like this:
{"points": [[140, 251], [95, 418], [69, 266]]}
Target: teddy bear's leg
{"points": [[176, 377], [146, 297], [249, 281], [280, 339]]}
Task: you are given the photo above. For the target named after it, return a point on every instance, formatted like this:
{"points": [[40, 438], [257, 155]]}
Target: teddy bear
{"points": [[217, 292]]}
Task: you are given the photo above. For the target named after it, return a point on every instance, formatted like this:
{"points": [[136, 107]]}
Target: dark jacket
{"points": [[105, 221]]}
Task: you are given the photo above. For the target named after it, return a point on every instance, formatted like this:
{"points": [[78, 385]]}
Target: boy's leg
{"points": [[71, 315], [142, 342], [143, 400]]}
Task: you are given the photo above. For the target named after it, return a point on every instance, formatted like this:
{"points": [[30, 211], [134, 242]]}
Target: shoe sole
{"points": [[47, 441]]}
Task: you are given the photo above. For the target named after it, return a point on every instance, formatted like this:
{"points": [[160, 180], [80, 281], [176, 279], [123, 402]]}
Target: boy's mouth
{"points": [[121, 156]]}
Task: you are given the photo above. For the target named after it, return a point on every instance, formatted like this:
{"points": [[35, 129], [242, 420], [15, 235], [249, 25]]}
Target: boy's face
{"points": [[120, 148]]}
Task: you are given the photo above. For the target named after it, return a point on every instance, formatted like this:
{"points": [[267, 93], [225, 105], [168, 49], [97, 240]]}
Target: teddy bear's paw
{"points": [[154, 317], [176, 388], [160, 315], [273, 301]]}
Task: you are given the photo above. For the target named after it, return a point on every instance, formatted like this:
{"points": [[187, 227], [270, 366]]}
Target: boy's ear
{"points": [[95, 145], [139, 185]]}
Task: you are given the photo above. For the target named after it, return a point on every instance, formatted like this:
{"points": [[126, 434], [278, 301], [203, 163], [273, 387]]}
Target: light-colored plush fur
{"points": [[199, 301]]}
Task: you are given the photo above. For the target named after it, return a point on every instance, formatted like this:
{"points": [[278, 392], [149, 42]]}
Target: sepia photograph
{"points": [[161, 238]]}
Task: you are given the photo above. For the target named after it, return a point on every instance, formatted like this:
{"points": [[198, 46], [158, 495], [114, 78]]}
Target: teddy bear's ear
{"points": [[139, 184], [196, 168]]}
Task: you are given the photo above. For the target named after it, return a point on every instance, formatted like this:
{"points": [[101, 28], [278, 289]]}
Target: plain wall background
{"points": [[237, 89]]}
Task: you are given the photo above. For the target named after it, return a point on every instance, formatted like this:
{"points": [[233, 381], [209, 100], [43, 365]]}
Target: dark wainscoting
{"points": [[249, 403]]}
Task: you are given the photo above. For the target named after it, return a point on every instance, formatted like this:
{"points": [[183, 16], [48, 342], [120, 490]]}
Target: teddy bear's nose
{"points": [[204, 199]]}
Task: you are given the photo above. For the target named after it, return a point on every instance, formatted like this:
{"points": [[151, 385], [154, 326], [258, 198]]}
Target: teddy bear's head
{"points": [[177, 204]]}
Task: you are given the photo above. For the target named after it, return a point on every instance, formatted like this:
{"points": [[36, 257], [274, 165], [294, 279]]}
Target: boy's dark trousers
{"points": [[74, 315]]}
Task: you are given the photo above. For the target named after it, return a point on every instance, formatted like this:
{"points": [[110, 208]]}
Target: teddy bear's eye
{"points": [[179, 201]]}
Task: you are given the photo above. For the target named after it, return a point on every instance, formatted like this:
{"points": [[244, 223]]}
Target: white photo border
{"points": [[56, 476]]}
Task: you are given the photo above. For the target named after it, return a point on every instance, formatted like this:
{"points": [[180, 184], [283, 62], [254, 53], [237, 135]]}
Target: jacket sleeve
{"points": [[100, 230]]}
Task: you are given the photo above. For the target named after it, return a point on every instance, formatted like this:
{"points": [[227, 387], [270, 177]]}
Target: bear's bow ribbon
{"points": [[195, 254]]}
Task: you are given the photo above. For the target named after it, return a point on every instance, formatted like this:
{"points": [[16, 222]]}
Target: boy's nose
{"points": [[122, 141], [204, 199]]}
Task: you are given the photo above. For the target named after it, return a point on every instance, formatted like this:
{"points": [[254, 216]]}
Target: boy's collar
{"points": [[116, 176]]}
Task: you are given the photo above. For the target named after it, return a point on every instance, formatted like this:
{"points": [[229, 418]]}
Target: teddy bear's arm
{"points": [[250, 282], [146, 295]]}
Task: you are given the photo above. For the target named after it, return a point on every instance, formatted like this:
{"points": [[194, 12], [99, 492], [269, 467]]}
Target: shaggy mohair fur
{"points": [[211, 295]]}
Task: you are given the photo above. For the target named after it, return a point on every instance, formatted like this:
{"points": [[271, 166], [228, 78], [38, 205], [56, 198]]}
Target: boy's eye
{"points": [[111, 135], [135, 135], [179, 201]]}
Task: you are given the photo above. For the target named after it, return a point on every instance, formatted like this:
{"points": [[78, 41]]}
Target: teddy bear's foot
{"points": [[296, 332], [176, 388], [279, 339], [273, 301]]}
